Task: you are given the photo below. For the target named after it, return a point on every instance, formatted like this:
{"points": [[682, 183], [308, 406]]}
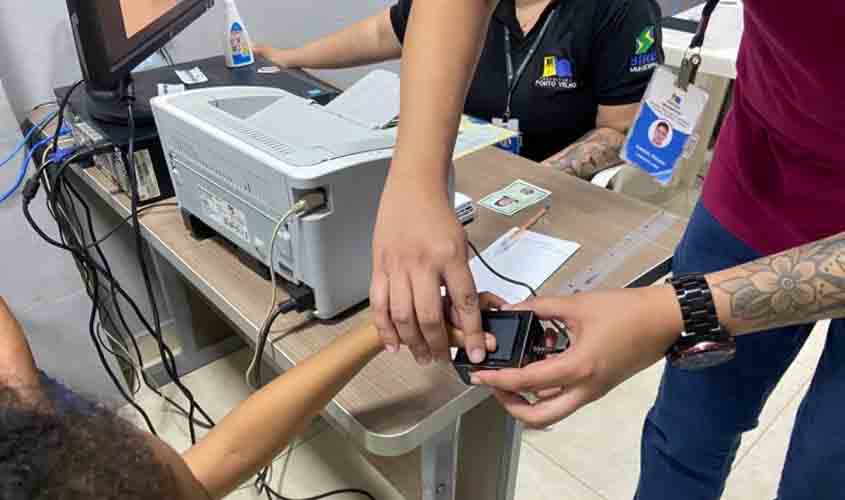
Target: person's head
{"points": [[661, 132], [52, 448]]}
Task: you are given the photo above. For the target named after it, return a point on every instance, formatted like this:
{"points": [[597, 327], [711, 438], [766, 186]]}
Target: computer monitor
{"points": [[114, 36]]}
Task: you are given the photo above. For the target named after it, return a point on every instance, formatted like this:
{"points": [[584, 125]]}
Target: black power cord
{"points": [[167, 357], [561, 330], [73, 240]]}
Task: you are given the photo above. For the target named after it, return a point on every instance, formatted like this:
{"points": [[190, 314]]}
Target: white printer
{"points": [[240, 157]]}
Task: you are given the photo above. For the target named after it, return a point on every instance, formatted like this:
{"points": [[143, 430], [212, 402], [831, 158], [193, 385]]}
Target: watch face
{"points": [[705, 354]]}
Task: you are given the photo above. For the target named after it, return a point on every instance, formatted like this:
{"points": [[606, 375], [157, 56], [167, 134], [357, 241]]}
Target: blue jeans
{"points": [[693, 431]]}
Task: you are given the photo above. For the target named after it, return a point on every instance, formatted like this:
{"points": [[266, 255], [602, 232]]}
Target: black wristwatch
{"points": [[704, 342]]}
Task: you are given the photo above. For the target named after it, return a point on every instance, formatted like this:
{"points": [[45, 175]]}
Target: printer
{"points": [[241, 157]]}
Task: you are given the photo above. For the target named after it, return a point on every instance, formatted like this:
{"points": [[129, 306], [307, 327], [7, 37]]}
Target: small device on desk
{"points": [[520, 341], [242, 157]]}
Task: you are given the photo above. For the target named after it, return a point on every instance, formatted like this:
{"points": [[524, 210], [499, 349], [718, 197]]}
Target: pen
{"points": [[528, 225]]}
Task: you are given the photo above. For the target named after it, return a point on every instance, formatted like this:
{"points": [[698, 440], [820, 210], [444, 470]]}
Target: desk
{"points": [[718, 69], [432, 436]]}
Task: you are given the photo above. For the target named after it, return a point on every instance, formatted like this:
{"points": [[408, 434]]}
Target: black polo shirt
{"points": [[594, 52]]}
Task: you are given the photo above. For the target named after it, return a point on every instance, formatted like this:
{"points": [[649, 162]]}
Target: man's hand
{"points": [[419, 246], [278, 56], [614, 334]]}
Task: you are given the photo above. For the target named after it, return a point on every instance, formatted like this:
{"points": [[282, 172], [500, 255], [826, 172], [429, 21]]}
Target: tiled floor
{"points": [[591, 456]]}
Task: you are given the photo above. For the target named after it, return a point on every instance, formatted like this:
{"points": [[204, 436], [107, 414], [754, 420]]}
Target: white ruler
{"points": [[615, 258]]}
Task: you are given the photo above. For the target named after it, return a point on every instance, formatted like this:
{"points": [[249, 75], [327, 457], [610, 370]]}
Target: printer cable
{"points": [[308, 203]]}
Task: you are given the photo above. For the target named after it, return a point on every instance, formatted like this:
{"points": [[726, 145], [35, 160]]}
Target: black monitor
{"points": [[114, 36]]}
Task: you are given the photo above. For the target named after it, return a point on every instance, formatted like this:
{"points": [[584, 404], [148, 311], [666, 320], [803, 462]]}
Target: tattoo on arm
{"points": [[596, 151], [798, 286]]}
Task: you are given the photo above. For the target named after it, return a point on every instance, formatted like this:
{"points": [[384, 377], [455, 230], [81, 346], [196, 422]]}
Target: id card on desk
{"points": [[663, 130]]}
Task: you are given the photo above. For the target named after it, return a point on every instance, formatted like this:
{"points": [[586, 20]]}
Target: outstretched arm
{"points": [[17, 367], [366, 42], [794, 287], [255, 432]]}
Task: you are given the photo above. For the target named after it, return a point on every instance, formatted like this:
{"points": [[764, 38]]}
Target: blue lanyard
{"points": [[514, 77]]}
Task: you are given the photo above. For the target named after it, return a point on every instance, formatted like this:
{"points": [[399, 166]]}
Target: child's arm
{"points": [[255, 432], [17, 367]]}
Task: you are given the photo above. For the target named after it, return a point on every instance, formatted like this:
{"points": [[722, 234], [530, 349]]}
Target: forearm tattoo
{"points": [[596, 151], [801, 285]]}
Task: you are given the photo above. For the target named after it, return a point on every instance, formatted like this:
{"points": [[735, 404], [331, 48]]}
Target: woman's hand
{"points": [[281, 57], [614, 334]]}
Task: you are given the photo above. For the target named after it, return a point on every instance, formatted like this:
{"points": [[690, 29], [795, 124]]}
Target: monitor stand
{"points": [[112, 107]]}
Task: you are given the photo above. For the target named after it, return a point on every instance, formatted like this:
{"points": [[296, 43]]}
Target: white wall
{"points": [[39, 53]]}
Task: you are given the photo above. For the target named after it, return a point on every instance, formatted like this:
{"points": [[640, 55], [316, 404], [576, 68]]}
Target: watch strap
{"points": [[697, 308]]}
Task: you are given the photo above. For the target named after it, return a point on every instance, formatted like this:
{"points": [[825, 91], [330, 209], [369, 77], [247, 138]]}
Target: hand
{"points": [[419, 246], [614, 334], [278, 56]]}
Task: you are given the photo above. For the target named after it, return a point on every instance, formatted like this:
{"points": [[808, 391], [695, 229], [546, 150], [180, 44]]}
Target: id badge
{"points": [[663, 131], [514, 144]]}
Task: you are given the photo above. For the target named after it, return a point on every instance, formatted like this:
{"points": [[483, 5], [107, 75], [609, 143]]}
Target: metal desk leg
{"points": [[510, 459], [197, 348], [490, 444], [439, 464]]}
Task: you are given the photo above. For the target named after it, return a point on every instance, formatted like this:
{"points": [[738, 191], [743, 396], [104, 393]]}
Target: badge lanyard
{"points": [[514, 77], [664, 130], [692, 58]]}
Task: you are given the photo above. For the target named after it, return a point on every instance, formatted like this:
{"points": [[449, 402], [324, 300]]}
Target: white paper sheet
{"points": [[532, 258], [373, 101]]}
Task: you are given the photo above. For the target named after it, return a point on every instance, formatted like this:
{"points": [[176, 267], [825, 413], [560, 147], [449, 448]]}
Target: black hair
{"points": [[55, 449], [664, 125]]}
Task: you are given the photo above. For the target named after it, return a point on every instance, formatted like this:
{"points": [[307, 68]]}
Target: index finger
{"points": [[544, 412], [546, 374], [461, 288]]}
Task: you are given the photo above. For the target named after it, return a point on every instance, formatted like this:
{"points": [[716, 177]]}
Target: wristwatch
{"points": [[704, 343]]}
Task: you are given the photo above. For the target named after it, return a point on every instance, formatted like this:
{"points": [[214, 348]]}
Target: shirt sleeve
{"points": [[628, 47], [399, 15]]}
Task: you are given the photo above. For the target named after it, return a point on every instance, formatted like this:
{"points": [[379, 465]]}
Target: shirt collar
{"points": [[506, 14]]}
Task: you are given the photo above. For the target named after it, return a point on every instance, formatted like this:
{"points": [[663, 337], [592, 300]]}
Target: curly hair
{"points": [[55, 448]]}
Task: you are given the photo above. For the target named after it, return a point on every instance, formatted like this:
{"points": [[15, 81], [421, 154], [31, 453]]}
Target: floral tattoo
{"points": [[807, 283]]}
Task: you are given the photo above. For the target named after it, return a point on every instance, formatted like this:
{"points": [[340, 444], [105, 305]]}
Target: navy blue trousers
{"points": [[692, 433]]}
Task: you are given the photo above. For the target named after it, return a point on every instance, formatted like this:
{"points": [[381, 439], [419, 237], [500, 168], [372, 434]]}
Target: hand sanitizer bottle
{"points": [[238, 46]]}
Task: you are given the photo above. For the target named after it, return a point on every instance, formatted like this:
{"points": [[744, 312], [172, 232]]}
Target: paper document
{"points": [[475, 134], [373, 101], [531, 258]]}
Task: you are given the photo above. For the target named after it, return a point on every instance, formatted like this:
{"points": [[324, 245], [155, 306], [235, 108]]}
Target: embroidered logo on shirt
{"points": [[558, 73], [645, 56]]}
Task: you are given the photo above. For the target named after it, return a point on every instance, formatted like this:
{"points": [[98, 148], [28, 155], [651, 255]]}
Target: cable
{"points": [[561, 329], [122, 356], [61, 113], [22, 144], [22, 172], [272, 312], [351, 491], [170, 365], [87, 265]]}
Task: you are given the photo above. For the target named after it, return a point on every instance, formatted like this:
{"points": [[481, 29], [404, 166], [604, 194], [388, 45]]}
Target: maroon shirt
{"points": [[778, 175]]}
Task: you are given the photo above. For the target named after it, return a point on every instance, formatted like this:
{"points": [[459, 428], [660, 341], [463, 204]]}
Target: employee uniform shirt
{"points": [[778, 175], [594, 52]]}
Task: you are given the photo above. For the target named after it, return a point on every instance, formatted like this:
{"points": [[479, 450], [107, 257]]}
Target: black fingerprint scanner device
{"points": [[520, 340]]}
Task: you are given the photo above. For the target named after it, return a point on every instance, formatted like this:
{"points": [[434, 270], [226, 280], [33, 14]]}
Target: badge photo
{"points": [[664, 125]]}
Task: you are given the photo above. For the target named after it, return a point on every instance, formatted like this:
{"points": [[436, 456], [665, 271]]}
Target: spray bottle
{"points": [[238, 46]]}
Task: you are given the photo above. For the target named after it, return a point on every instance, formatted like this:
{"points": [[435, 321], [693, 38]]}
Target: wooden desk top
{"points": [[393, 405]]}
